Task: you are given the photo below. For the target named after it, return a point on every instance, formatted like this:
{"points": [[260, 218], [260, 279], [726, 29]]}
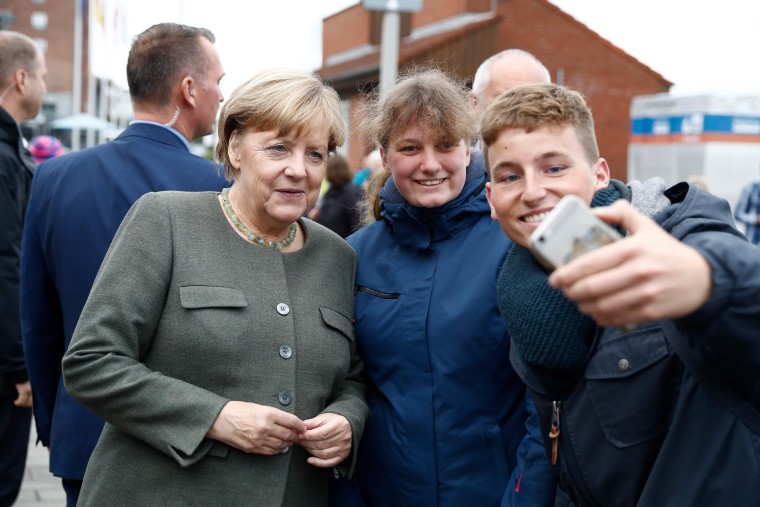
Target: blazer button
{"points": [[284, 398], [285, 352], [283, 309], [623, 365]]}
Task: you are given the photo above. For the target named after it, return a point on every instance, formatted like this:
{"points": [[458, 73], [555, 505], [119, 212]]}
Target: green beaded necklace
{"points": [[252, 236]]}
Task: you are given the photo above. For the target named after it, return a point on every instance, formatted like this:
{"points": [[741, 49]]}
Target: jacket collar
{"points": [[10, 133], [154, 132], [417, 228]]}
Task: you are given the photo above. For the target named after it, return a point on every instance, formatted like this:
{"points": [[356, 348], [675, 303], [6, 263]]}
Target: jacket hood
{"points": [[416, 228], [700, 207]]}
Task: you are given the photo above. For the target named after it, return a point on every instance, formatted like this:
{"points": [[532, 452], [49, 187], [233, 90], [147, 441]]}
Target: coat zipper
{"points": [[554, 432], [557, 406]]}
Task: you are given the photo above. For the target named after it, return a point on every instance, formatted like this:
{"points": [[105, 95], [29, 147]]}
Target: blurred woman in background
{"points": [[339, 210]]}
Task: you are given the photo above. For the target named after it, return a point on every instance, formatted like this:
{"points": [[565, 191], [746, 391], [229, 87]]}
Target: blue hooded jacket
{"points": [[448, 412]]}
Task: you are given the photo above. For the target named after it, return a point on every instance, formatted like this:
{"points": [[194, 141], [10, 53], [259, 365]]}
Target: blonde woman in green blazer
{"points": [[217, 341]]}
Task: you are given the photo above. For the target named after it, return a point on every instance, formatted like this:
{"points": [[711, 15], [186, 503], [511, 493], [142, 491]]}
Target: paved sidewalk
{"points": [[40, 488]]}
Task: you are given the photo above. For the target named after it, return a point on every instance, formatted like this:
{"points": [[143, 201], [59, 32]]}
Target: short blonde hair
{"points": [[531, 107], [283, 100], [426, 97]]}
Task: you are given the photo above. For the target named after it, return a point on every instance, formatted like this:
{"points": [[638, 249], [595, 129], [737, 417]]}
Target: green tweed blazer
{"points": [[185, 316]]}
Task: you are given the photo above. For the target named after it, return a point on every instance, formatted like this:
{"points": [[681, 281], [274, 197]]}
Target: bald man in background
{"points": [[503, 71], [499, 73]]}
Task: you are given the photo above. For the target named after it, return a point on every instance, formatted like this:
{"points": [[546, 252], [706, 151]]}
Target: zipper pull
{"points": [[554, 430]]}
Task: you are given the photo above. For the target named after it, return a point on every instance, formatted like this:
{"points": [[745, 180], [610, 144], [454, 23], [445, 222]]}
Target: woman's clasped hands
{"points": [[260, 429]]}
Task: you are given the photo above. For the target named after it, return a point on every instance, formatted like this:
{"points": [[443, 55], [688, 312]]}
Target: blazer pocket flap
{"points": [[205, 296], [219, 450], [337, 321], [627, 354]]}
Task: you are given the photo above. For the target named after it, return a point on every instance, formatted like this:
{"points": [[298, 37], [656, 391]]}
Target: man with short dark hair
{"points": [[22, 88], [78, 201]]}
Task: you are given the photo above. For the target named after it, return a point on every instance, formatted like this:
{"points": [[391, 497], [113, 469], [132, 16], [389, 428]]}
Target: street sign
{"points": [[393, 5]]}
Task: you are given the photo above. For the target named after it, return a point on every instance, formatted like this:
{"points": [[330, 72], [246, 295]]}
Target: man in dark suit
{"points": [[78, 201], [22, 88]]}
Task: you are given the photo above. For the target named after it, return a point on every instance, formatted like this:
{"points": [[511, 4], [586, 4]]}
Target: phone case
{"points": [[570, 230]]}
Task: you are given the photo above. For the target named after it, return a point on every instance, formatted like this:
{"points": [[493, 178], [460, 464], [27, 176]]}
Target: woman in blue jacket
{"points": [[448, 412]]}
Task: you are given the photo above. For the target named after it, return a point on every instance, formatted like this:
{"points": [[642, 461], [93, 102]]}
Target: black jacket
{"points": [[16, 170], [339, 210], [639, 429]]}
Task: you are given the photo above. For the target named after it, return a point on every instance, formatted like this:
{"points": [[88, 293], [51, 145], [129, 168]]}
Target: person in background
{"points": [[643, 355], [448, 411], [45, 147], [370, 205], [22, 89], [340, 210], [370, 164], [217, 340], [748, 211], [503, 71], [78, 201], [698, 180]]}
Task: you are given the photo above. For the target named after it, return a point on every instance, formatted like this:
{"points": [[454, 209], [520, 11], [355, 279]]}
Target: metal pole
{"points": [[91, 79], [104, 92], [76, 92], [91, 101], [389, 46]]}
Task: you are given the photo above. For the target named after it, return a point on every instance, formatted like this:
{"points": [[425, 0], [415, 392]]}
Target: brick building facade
{"points": [[457, 35]]}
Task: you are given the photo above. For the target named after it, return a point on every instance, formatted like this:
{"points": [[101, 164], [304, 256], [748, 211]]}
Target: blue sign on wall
{"points": [[695, 124]]}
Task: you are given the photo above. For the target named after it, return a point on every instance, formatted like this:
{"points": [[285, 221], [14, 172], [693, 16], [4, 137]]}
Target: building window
{"points": [[38, 1], [39, 20]]}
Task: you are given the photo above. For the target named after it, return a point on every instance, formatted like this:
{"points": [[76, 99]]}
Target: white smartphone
{"points": [[570, 230]]}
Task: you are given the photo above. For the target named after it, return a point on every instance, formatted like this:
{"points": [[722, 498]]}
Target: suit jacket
{"points": [[186, 315], [77, 203]]}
